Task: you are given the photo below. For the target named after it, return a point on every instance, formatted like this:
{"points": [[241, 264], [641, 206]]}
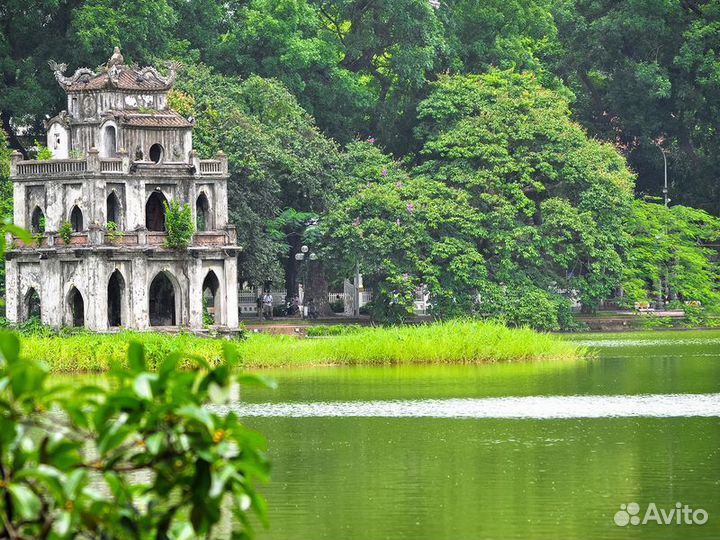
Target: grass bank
{"points": [[451, 342]]}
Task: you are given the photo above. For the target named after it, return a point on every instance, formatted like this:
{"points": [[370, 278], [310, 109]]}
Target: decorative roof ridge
{"points": [[112, 70], [59, 71]]}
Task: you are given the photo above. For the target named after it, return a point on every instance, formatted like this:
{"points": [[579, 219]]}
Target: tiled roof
{"points": [[161, 119], [125, 78]]}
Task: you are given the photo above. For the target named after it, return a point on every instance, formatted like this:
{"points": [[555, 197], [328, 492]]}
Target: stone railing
{"points": [[112, 165], [121, 164], [50, 166], [210, 166], [216, 166], [127, 239]]}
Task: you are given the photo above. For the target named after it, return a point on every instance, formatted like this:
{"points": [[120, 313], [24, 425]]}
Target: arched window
{"points": [[77, 308], [37, 221], [113, 211], [202, 211], [76, 219], [210, 287], [155, 212], [110, 140], [156, 153], [32, 305], [116, 290], [162, 301]]}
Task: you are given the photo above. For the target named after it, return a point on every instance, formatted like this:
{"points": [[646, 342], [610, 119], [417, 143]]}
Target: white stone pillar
{"points": [[231, 293], [12, 288], [95, 294], [195, 279], [20, 210], [52, 295], [138, 301]]}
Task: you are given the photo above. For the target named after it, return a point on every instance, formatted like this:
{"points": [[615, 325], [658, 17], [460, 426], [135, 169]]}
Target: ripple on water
{"points": [[675, 342], [530, 407]]}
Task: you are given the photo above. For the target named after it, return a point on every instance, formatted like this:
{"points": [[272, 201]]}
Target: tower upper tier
{"points": [[119, 107]]}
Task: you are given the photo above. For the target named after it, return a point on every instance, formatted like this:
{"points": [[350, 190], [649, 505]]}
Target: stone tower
{"points": [[119, 154]]}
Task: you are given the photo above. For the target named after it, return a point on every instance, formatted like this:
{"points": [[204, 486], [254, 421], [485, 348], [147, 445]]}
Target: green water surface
{"points": [[398, 478]]}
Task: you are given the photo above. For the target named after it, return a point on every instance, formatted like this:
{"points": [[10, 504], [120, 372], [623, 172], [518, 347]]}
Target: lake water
{"points": [[547, 450]]}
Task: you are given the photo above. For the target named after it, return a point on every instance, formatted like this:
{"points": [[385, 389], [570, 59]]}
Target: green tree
{"points": [[670, 255], [278, 160], [402, 232], [646, 72], [551, 199], [511, 202]]}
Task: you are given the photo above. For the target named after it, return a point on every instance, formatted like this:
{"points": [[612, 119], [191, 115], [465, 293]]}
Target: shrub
{"points": [[42, 152], [71, 457], [113, 231], [65, 232], [179, 224]]}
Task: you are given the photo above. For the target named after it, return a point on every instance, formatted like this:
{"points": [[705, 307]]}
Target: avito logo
{"points": [[680, 514]]}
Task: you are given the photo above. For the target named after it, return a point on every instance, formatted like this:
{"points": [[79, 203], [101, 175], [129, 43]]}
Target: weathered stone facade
{"points": [[119, 154]]}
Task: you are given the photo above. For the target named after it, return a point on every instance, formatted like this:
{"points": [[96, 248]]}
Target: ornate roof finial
{"points": [[116, 59]]}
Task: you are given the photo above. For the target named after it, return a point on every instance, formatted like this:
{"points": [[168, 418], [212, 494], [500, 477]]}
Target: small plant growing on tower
{"points": [[179, 225], [113, 231], [65, 232], [42, 152]]}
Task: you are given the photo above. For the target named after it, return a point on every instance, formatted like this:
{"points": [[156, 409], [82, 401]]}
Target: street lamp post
{"points": [[300, 257], [665, 185]]}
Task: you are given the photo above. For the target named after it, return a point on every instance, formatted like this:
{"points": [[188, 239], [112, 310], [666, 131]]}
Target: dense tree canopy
{"points": [[510, 198], [481, 148], [278, 160]]}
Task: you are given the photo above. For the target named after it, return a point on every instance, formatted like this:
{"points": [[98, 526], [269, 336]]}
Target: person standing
{"points": [[268, 306]]}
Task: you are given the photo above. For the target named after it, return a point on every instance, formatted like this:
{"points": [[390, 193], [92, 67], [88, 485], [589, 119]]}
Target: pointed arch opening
{"points": [[32, 306], [76, 306], [162, 301], [37, 221], [76, 219], [113, 210], [202, 213], [116, 292], [210, 303], [155, 211]]}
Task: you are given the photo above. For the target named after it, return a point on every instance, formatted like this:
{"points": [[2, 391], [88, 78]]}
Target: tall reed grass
{"points": [[450, 342]]}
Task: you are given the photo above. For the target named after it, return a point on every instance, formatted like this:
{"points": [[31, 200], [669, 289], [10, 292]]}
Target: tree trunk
{"points": [[317, 288], [291, 267], [12, 138]]}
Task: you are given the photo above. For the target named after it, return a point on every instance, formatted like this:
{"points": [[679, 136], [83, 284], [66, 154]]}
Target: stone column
{"points": [[231, 293], [95, 296], [195, 161], [20, 210], [123, 155], [12, 288], [221, 203], [195, 279], [137, 287], [15, 158], [52, 294], [222, 158], [93, 160]]}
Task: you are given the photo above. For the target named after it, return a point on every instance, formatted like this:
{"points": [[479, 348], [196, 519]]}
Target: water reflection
{"points": [[532, 407]]}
